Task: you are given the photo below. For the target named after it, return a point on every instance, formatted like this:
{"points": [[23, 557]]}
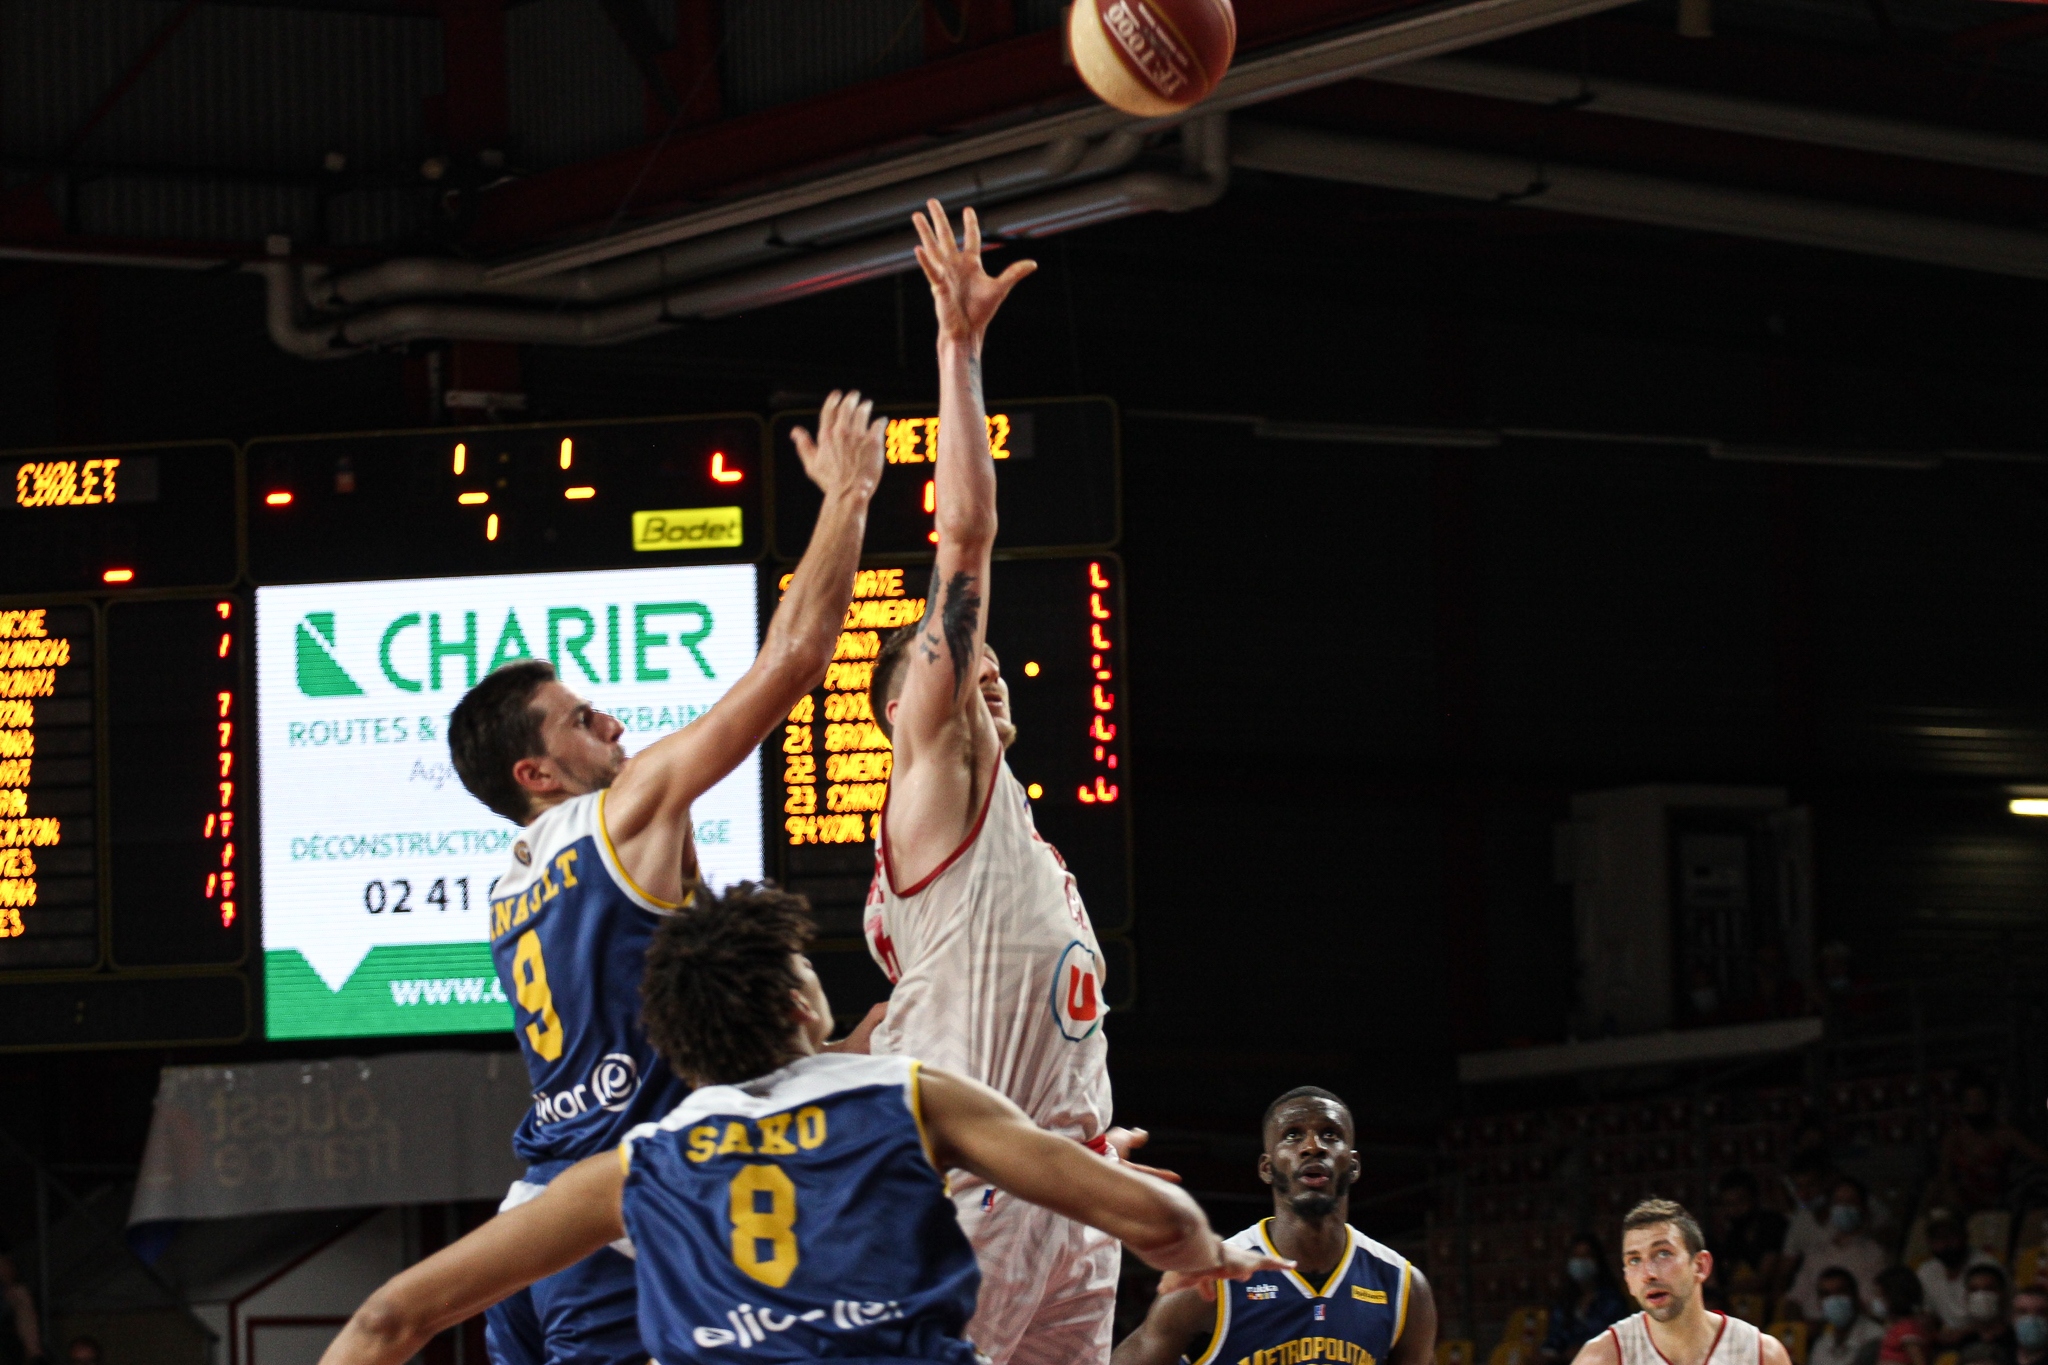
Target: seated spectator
{"points": [[1846, 1246], [1748, 1239], [2030, 1325], [1808, 1179], [1589, 1306], [1898, 1303], [1945, 1273], [1977, 1151], [1849, 1335], [1988, 1339]]}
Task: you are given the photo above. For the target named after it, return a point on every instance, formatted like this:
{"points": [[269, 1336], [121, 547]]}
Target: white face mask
{"points": [[1983, 1304]]}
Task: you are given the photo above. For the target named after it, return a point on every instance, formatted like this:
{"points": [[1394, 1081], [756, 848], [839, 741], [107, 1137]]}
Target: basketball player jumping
{"points": [[1350, 1299], [974, 917], [607, 851], [1665, 1262], [795, 1207]]}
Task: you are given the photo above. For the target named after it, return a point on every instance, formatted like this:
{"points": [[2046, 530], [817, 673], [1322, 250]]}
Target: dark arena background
{"points": [[1524, 575]]}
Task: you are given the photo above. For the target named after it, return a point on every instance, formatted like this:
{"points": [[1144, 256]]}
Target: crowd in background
{"points": [[1839, 1275]]}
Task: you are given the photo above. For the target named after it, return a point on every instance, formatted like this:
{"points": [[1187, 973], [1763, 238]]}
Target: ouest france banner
{"points": [[377, 864]]}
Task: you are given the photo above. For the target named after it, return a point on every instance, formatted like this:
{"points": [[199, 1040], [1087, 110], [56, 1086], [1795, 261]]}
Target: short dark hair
{"points": [[1901, 1290], [493, 727], [887, 679], [1303, 1092], [715, 999], [1651, 1212], [1862, 1190]]}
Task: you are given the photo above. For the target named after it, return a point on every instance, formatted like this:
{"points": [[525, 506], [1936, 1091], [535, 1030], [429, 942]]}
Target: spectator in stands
{"points": [[1846, 1246], [1849, 1335], [1809, 1178], [1748, 1238], [2030, 1325], [84, 1351], [1898, 1303], [1944, 1275], [1590, 1304], [1988, 1340], [21, 1336], [1977, 1151]]}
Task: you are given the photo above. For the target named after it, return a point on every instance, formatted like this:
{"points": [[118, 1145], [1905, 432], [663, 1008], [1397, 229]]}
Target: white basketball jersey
{"points": [[996, 968], [1739, 1343]]}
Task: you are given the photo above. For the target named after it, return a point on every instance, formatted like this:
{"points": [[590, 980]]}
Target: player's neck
{"points": [[1316, 1242], [1687, 1338]]}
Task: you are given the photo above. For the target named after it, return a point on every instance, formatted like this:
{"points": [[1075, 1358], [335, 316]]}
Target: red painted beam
{"points": [[1004, 78]]}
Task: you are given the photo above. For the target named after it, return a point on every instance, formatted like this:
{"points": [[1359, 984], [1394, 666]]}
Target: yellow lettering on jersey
{"points": [[562, 862], [735, 1140], [774, 1135], [703, 1143], [1359, 1291], [810, 1127], [501, 917], [548, 890], [1305, 1349]]}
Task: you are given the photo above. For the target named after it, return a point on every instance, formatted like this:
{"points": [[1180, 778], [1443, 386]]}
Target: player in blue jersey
{"points": [[795, 1207], [607, 852], [1347, 1298]]}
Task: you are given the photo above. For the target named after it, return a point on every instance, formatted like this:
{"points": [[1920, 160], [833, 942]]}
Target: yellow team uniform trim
{"points": [[1360, 1292], [605, 834], [1222, 1328], [1401, 1315], [626, 1155], [1337, 1275], [924, 1139]]}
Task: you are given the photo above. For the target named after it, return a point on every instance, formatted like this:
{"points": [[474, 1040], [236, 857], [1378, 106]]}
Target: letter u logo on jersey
{"points": [[1077, 992]]}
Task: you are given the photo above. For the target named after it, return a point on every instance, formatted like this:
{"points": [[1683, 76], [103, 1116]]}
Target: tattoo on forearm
{"points": [[958, 614]]}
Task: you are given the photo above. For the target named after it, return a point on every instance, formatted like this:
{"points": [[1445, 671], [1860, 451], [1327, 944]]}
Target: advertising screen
{"points": [[377, 864]]}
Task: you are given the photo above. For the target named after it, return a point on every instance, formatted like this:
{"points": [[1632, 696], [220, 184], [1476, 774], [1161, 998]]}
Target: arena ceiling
{"points": [[590, 171]]}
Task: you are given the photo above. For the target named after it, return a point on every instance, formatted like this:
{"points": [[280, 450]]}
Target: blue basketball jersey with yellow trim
{"points": [[797, 1217], [1278, 1318], [569, 934]]}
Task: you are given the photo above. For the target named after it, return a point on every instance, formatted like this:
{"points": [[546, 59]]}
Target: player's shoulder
{"points": [[1252, 1238], [808, 1080], [1377, 1253], [1604, 1348]]}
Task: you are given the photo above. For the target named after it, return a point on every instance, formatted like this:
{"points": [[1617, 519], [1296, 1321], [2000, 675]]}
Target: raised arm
{"points": [[1175, 1323], [973, 1128], [647, 809], [578, 1214], [944, 739]]}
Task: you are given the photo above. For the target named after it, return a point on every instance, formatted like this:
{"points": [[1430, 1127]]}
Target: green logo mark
{"points": [[319, 674]]}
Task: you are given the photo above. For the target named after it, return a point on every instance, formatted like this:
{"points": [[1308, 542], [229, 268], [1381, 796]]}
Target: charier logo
{"points": [[320, 675]]}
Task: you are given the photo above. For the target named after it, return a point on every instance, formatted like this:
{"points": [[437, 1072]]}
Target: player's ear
{"points": [[1703, 1265], [1265, 1168], [889, 712], [535, 774]]}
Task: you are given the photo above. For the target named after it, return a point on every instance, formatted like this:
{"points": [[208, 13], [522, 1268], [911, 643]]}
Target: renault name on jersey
{"points": [[612, 1084]]}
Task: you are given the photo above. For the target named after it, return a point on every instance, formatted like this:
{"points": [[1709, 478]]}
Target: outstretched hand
{"points": [[846, 456], [857, 1041], [964, 294], [1237, 1264], [1124, 1141]]}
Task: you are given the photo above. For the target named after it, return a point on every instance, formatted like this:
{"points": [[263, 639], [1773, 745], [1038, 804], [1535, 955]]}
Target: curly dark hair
{"points": [[715, 1000]]}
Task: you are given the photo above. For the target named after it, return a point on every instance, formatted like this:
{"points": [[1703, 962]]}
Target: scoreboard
{"points": [[226, 803]]}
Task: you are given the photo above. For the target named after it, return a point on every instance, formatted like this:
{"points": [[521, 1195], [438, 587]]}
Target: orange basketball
{"points": [[1152, 57]]}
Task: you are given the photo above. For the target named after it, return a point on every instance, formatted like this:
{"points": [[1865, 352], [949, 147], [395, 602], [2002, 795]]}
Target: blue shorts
{"points": [[588, 1314]]}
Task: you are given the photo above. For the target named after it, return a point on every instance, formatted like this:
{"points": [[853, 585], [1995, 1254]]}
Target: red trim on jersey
{"points": [[889, 868], [1099, 1144], [1651, 1337]]}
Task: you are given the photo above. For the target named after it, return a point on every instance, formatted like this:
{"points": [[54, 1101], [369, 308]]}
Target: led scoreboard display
{"points": [[226, 675], [1056, 479]]}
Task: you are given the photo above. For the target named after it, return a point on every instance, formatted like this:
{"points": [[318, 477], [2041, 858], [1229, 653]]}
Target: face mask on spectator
{"points": [[1845, 1217], [1839, 1309], [1879, 1308], [2032, 1330], [1983, 1304], [1583, 1270]]}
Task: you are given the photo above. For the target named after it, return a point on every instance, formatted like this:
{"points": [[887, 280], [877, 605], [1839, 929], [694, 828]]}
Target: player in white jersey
{"points": [[972, 915], [1665, 1261]]}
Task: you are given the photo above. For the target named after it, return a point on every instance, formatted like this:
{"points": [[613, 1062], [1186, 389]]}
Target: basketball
{"points": [[1152, 57]]}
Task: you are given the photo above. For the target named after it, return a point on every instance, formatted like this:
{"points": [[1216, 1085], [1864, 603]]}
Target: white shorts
{"points": [[1048, 1284]]}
